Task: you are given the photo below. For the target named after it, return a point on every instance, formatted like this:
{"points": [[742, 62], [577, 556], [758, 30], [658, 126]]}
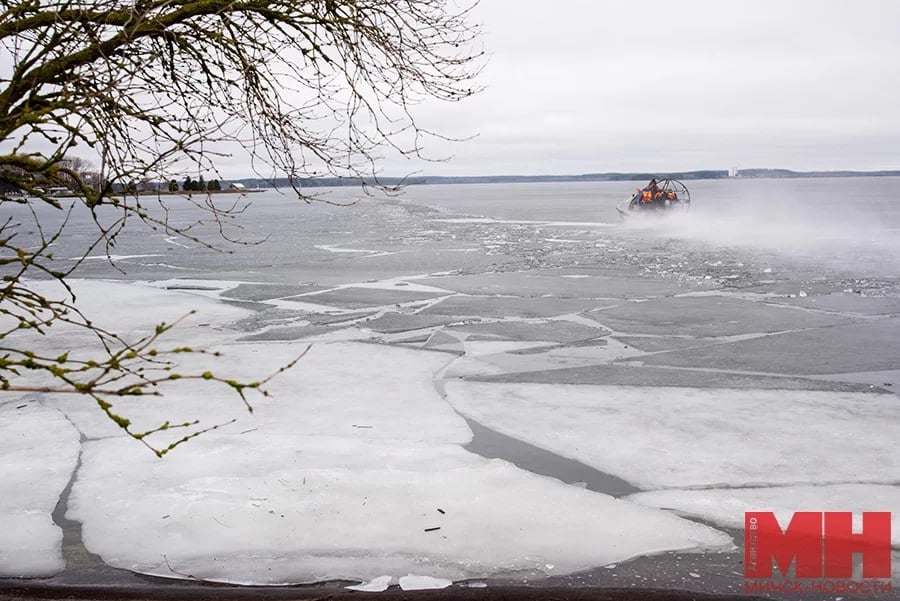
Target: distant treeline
{"points": [[477, 179], [587, 177], [775, 173]]}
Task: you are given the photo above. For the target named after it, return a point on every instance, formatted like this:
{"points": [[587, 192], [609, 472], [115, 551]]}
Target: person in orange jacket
{"points": [[649, 192]]}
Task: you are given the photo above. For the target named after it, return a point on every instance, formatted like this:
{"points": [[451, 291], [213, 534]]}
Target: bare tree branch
{"points": [[101, 95]]}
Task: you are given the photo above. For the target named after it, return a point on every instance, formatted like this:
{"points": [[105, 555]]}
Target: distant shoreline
{"points": [[255, 185], [333, 182], [72, 194]]}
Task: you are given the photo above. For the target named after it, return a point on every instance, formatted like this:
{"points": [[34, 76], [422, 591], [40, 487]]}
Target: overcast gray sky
{"points": [[576, 86], [580, 86]]}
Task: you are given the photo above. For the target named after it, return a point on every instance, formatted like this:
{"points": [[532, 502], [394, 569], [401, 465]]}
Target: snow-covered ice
{"points": [[327, 481], [112, 258], [661, 437], [340, 473], [39, 449], [413, 582], [269, 509], [375, 585], [726, 507], [136, 312], [334, 248]]}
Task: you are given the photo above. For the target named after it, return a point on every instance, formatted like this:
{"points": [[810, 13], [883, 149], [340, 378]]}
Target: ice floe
{"points": [[413, 582], [376, 585], [408, 283], [136, 310], [39, 449], [269, 509], [340, 475], [726, 507], [112, 258], [334, 248], [663, 437]]}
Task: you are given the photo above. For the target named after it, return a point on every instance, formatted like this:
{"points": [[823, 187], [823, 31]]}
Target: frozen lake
{"points": [[505, 383]]}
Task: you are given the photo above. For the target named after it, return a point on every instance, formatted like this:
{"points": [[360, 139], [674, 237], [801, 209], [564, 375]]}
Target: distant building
{"points": [[237, 187]]}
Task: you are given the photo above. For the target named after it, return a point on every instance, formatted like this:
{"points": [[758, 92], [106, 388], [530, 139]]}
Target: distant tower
{"points": [[733, 172]]}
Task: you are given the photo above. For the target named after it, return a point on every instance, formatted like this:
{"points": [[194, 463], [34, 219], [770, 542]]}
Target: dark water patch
{"points": [[418, 339], [711, 573], [82, 566], [329, 319], [703, 316], [517, 590], [872, 345], [537, 350], [494, 445], [287, 333], [269, 316], [558, 330], [849, 302], [261, 292], [358, 297], [655, 344], [250, 305], [393, 322], [191, 287], [440, 338], [509, 306], [639, 375]]}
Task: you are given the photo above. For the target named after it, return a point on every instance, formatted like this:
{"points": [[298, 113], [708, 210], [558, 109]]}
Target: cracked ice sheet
{"points": [[136, 311], [298, 492], [726, 507], [658, 437], [39, 449]]}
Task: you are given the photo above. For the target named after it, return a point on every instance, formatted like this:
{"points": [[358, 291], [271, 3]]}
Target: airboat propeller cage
{"points": [[667, 185]]}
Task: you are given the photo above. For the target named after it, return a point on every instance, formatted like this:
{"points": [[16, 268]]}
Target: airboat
{"points": [[668, 195]]}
